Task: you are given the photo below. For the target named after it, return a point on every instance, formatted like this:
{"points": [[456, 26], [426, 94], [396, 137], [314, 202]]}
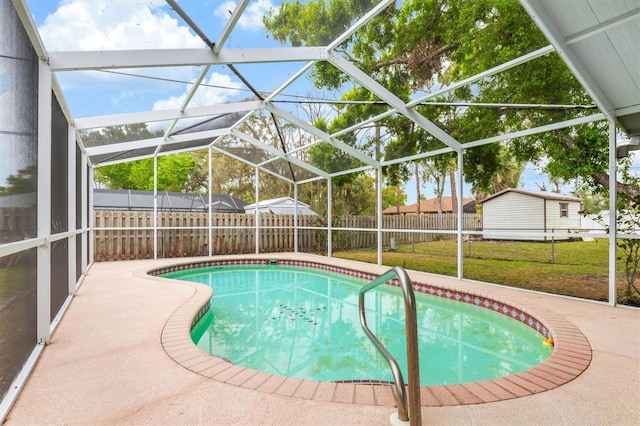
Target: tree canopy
{"points": [[426, 43], [189, 172]]}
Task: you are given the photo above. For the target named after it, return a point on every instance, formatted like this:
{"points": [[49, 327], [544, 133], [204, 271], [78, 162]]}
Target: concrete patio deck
{"points": [[106, 365]]}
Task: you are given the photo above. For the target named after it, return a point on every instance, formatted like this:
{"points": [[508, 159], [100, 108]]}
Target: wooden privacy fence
{"points": [[128, 234]]}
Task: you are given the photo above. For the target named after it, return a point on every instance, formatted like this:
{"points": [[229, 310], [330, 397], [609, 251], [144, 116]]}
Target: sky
{"points": [[118, 24], [147, 24]]}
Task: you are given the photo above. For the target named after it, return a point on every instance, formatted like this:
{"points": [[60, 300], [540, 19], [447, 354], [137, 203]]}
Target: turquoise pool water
{"points": [[304, 323]]}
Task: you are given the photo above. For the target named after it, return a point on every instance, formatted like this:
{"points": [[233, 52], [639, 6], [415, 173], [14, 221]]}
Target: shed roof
{"points": [[538, 194], [282, 205]]}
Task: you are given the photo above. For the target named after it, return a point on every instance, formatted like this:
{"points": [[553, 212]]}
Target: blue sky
{"points": [[147, 24], [109, 25]]}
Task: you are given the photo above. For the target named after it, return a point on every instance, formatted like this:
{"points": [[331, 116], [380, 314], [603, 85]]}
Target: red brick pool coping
{"points": [[570, 357]]}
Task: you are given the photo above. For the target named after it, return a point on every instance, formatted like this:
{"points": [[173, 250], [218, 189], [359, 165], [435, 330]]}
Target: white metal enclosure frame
{"points": [[596, 39], [620, 26], [548, 16]]}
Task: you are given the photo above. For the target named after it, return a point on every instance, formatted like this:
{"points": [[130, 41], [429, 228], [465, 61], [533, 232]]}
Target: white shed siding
{"points": [[512, 212], [564, 224]]}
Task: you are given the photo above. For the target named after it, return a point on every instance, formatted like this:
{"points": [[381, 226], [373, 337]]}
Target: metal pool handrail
{"points": [[413, 363]]}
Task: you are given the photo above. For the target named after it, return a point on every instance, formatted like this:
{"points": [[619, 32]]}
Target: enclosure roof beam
{"points": [[231, 23], [462, 83], [187, 19], [360, 23], [528, 132], [290, 80], [278, 153], [370, 15], [536, 130], [418, 156], [115, 148], [141, 157], [192, 92], [311, 179], [151, 58], [30, 27], [395, 102], [62, 101], [545, 23], [348, 172], [543, 51], [603, 26], [245, 161], [22, 10], [633, 109], [322, 135], [161, 115]]}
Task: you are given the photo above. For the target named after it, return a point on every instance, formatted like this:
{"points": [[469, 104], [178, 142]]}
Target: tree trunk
{"points": [[631, 191], [417, 171], [602, 178], [454, 191]]}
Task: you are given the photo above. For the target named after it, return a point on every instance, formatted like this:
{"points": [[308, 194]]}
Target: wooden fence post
{"points": [[188, 239]]}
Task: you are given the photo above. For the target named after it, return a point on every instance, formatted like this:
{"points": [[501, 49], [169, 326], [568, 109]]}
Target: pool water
{"points": [[304, 323]]}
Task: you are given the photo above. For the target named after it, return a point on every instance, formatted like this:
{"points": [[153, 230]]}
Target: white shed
{"points": [[284, 205], [513, 210]]}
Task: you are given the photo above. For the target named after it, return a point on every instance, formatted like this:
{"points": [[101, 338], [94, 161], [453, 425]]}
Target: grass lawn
{"points": [[575, 268]]}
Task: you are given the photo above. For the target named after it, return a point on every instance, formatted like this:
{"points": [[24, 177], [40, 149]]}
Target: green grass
{"points": [[575, 268]]}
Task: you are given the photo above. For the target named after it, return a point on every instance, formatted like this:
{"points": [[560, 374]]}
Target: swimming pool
{"points": [[301, 320]]}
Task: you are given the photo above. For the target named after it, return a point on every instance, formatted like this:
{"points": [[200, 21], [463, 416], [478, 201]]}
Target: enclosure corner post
{"points": [[329, 217], [43, 262], [295, 217], [210, 211], [379, 215], [257, 213], [87, 216], [459, 215], [613, 226], [155, 206]]}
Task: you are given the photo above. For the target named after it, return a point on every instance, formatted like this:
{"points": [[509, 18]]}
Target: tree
{"points": [[507, 175], [173, 174], [393, 196], [592, 202], [423, 42], [198, 178], [628, 220], [24, 182], [357, 198], [232, 177]]}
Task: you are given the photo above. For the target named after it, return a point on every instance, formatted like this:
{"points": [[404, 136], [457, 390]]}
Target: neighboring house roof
{"points": [[283, 205], [227, 204], [538, 194], [430, 206], [143, 200]]}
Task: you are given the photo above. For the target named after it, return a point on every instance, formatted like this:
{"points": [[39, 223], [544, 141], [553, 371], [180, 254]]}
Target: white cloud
{"points": [[224, 90], [251, 19], [108, 25]]}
